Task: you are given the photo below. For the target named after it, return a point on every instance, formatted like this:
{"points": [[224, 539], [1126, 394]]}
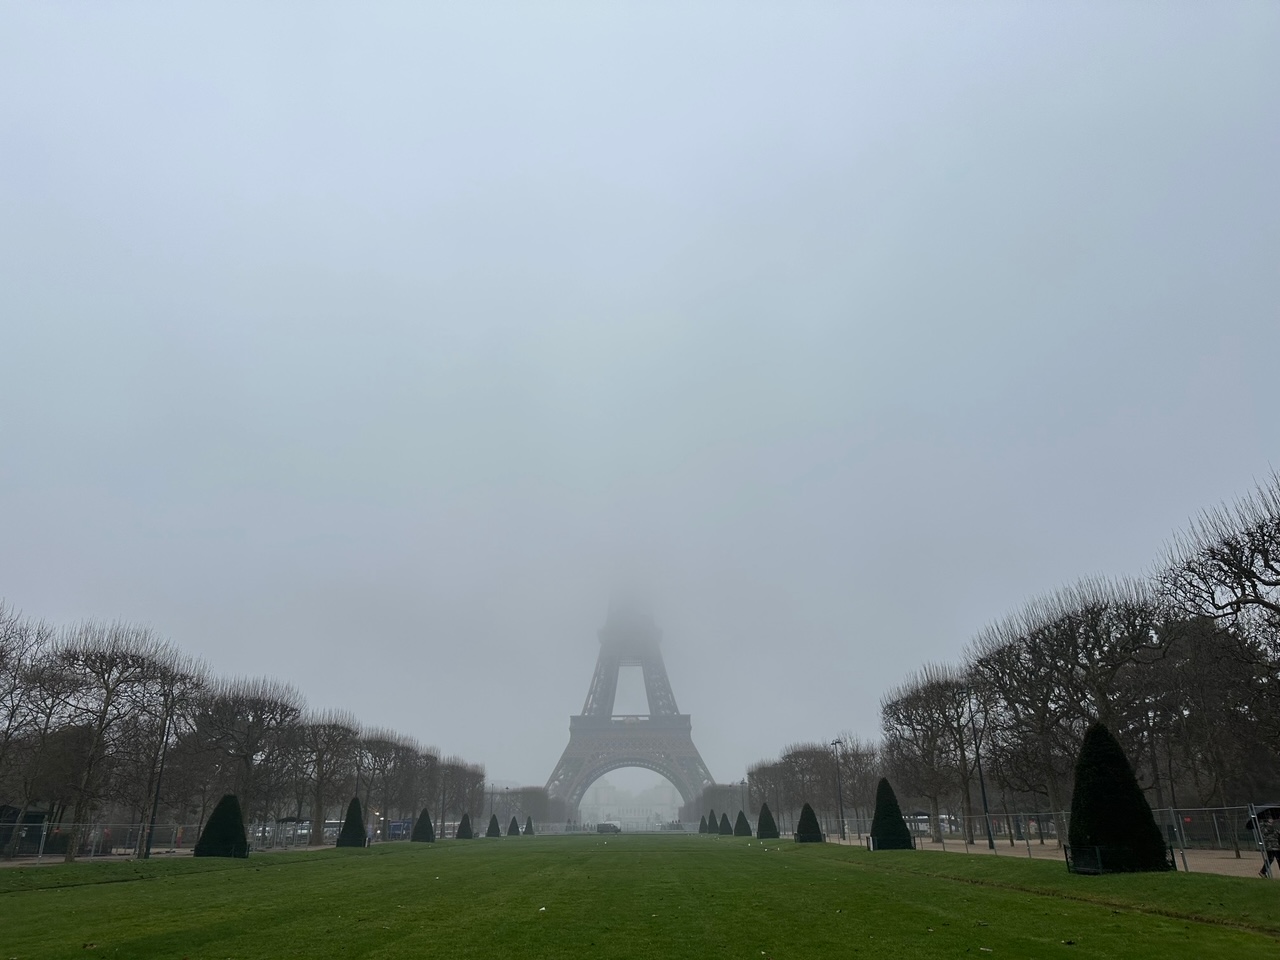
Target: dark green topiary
{"points": [[713, 822], [807, 830], [223, 835], [513, 828], [726, 828], [766, 829], [464, 828], [1108, 810], [494, 830], [423, 831], [740, 827], [528, 827], [888, 828], [352, 834], [702, 825]]}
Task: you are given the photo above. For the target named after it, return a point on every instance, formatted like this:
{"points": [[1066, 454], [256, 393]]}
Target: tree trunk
{"points": [[317, 816], [368, 796], [1054, 794], [966, 794]]}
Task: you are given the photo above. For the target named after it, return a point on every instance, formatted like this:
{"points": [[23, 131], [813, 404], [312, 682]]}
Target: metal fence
{"points": [[1027, 833], [1196, 828], [42, 841], [1184, 829]]}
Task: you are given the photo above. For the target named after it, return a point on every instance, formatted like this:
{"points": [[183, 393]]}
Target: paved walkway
{"points": [[51, 859], [1222, 862]]}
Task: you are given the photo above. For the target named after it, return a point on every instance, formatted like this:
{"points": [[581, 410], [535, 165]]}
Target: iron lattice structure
{"points": [[600, 740]]}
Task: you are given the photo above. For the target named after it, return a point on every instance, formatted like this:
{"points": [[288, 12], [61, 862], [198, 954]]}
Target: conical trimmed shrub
{"points": [[494, 830], [1108, 809], [726, 828], [223, 834], [423, 831], [766, 829], [464, 828], [352, 834], [528, 827], [888, 828], [740, 827], [807, 830], [513, 828], [713, 822], [702, 824]]}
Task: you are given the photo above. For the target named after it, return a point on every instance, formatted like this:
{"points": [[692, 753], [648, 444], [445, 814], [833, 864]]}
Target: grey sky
{"points": [[370, 348]]}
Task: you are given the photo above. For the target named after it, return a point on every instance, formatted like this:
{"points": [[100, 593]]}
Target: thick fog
{"points": [[374, 349]]}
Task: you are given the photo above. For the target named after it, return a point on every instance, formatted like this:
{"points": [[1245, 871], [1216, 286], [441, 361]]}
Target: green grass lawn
{"points": [[629, 896]]}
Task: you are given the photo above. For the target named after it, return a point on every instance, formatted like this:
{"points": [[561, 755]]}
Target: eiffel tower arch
{"points": [[600, 740]]}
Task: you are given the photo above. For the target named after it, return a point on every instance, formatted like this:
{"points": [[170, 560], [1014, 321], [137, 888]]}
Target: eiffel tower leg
{"points": [[597, 746]]}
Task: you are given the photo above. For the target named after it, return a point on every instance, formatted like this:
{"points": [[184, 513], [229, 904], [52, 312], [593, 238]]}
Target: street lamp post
{"points": [[743, 784], [839, 792]]}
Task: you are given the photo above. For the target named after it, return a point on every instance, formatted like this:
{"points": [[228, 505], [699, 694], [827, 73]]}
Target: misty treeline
{"points": [[1183, 667], [804, 773], [94, 716]]}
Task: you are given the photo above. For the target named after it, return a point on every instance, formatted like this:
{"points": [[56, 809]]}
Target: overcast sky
{"points": [[371, 348]]}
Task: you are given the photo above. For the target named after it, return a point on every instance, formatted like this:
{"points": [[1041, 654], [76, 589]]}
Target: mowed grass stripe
{"points": [[627, 897], [1205, 898]]}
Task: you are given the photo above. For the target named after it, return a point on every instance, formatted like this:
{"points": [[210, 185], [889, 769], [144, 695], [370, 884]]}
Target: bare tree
{"points": [[535, 803], [375, 753], [329, 739], [118, 664], [1063, 661], [169, 706], [251, 721], [1029, 717], [414, 778], [765, 780], [918, 722], [1227, 567], [43, 758], [195, 775], [22, 642], [809, 776], [724, 797], [1103, 630], [461, 788], [1205, 704], [106, 717], [395, 771], [860, 772]]}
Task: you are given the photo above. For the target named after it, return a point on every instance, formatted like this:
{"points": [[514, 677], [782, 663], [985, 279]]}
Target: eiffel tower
{"points": [[600, 740]]}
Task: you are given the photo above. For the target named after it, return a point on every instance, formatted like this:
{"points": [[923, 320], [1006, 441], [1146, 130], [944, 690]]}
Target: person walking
{"points": [[1269, 831]]}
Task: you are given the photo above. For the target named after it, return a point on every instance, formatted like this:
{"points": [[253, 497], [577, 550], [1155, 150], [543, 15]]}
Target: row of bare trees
{"points": [[1183, 666], [830, 777], [106, 721]]}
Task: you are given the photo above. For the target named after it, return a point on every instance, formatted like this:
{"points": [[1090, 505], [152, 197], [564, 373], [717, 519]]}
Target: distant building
{"points": [[646, 810]]}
